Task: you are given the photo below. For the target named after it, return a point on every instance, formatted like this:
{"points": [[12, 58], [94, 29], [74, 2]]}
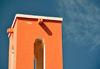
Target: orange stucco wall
{"points": [[27, 31], [13, 42]]}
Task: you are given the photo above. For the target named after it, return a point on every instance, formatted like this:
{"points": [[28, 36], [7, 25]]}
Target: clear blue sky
{"points": [[80, 28]]}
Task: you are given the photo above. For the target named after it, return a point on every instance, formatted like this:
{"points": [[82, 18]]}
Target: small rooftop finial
{"points": [[10, 30], [40, 20]]}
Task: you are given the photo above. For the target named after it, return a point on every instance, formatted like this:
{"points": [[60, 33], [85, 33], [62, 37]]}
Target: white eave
{"points": [[34, 16]]}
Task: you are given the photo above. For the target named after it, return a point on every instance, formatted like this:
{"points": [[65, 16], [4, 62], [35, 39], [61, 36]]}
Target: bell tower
{"points": [[22, 34]]}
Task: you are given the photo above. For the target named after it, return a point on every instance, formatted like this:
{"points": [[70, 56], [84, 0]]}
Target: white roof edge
{"points": [[44, 17]]}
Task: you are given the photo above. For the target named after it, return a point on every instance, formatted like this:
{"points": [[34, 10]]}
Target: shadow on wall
{"points": [[46, 29]]}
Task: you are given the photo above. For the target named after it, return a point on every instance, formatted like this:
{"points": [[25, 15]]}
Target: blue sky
{"points": [[80, 28]]}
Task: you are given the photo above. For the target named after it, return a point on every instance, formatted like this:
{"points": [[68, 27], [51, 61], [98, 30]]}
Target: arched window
{"points": [[39, 53]]}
